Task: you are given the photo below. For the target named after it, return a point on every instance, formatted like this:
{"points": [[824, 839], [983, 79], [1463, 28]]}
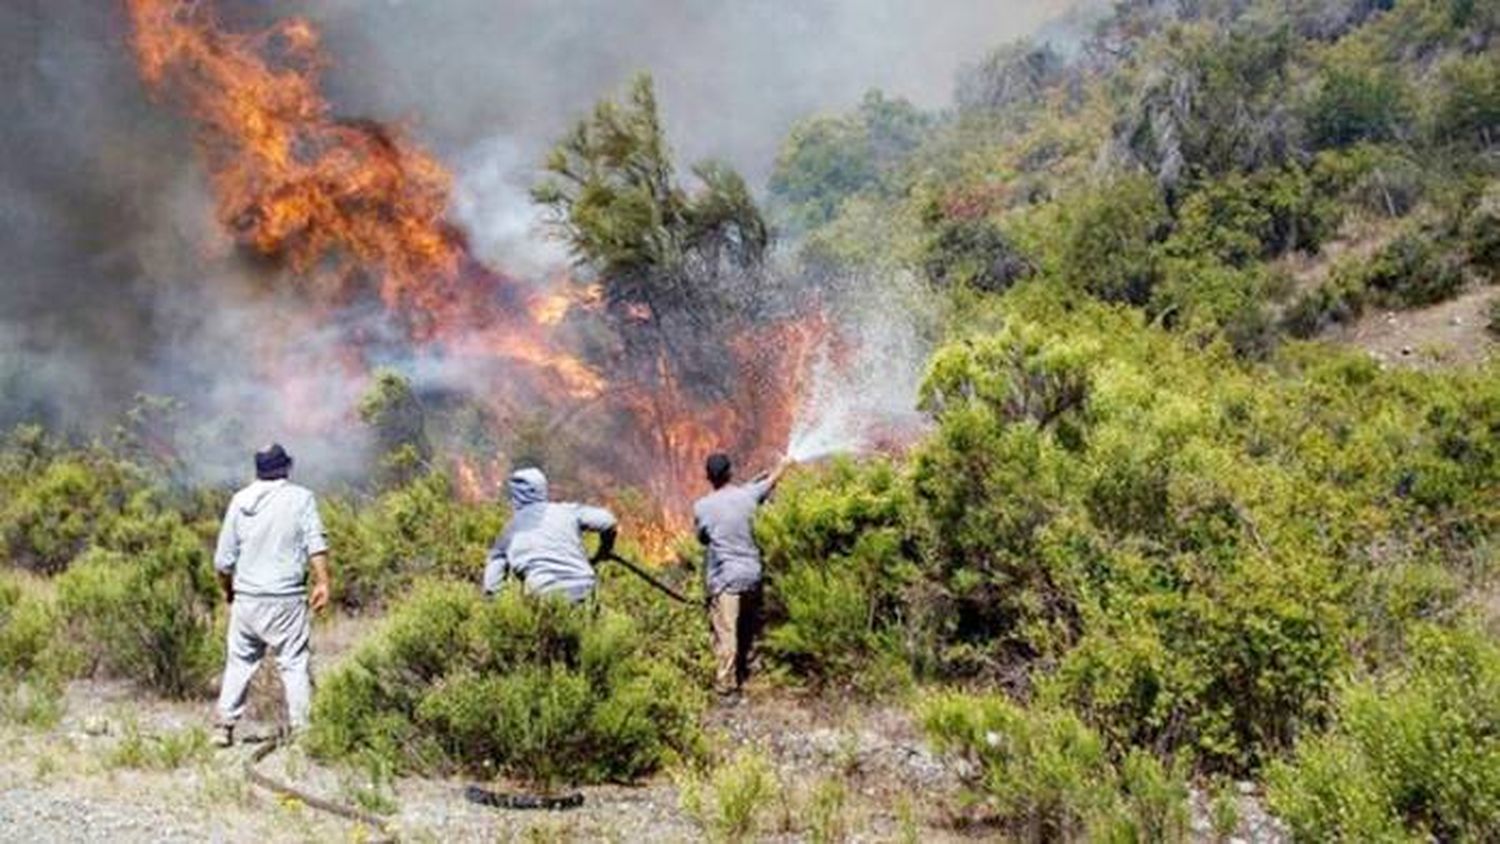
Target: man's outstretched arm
{"points": [[767, 482]]}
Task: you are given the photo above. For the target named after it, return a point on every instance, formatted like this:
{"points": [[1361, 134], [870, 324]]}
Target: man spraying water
{"points": [[724, 519]]}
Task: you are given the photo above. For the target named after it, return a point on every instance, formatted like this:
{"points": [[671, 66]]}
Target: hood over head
{"points": [[527, 486]]}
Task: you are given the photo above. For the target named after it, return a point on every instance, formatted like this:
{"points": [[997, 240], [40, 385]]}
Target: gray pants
{"points": [[255, 624]]}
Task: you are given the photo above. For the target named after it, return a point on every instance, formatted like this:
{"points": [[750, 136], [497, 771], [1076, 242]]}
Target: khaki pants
{"points": [[256, 625], [735, 617]]}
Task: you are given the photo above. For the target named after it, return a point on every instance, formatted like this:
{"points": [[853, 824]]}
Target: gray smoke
{"points": [[115, 278]]}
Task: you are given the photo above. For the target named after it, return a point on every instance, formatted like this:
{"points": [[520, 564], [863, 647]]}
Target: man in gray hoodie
{"points": [[543, 544], [271, 536]]}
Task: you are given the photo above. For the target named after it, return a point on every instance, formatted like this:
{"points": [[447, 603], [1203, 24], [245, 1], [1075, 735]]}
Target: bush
{"points": [[1356, 101], [1411, 271], [28, 630], [54, 515], [1381, 179], [1412, 754], [534, 689], [730, 804], [145, 613], [417, 530], [1468, 109], [964, 248], [1108, 244], [833, 547], [1047, 777], [1481, 233]]}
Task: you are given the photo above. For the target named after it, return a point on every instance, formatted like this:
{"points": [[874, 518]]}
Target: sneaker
{"points": [[223, 736]]}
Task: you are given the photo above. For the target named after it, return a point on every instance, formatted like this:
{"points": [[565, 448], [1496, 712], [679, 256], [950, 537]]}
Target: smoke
{"points": [[493, 83], [118, 279], [864, 396]]}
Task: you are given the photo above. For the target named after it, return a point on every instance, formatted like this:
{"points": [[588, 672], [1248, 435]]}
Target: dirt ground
{"points": [[1451, 333]]}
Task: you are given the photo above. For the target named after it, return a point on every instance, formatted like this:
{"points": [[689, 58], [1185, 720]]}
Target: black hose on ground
{"points": [[505, 800]]}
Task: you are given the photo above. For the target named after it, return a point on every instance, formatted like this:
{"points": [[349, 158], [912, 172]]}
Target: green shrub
{"points": [[1107, 248], [535, 689], [964, 248], [1356, 101], [166, 752], [1481, 233], [833, 547], [1380, 178], [1338, 301], [1411, 271], [1467, 110], [52, 517], [730, 804], [146, 614], [32, 660], [1049, 778], [1413, 753], [417, 530], [827, 822], [28, 630]]}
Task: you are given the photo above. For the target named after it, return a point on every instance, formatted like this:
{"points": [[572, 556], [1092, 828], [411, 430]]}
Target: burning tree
{"points": [[704, 353], [692, 358]]}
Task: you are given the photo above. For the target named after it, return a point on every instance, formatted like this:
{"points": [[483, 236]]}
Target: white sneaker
{"points": [[223, 736]]}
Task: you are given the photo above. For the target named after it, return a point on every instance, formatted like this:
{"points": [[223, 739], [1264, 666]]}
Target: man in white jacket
{"points": [[272, 535]]}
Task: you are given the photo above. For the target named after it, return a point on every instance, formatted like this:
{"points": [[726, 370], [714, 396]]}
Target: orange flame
{"points": [[353, 208]]}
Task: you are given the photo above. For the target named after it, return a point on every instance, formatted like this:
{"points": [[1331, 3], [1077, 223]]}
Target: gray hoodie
{"points": [[270, 531], [544, 542]]}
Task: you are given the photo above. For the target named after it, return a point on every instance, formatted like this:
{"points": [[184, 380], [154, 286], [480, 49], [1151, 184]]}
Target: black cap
{"points": [[272, 462], [718, 467]]}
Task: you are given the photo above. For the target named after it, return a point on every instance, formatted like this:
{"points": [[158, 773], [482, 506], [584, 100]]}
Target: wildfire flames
{"points": [[353, 209]]}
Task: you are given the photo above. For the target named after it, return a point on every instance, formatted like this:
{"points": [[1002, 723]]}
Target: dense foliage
{"points": [[533, 689], [1147, 512]]}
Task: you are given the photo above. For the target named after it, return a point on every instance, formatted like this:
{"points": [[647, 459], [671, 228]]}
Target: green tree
{"points": [[1108, 247], [612, 194], [392, 411], [1355, 100], [826, 160], [676, 266], [1468, 109]]}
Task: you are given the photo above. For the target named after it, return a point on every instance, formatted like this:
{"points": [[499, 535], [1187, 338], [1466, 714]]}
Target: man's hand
{"points": [[226, 585], [606, 546], [786, 463], [317, 599]]}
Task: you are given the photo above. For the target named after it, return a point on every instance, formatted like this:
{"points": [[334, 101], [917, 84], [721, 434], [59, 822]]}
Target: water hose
{"points": [[646, 576], [505, 800], [386, 835]]}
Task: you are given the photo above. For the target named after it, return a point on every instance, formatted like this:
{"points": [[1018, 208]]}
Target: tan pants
{"points": [[734, 618]]}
